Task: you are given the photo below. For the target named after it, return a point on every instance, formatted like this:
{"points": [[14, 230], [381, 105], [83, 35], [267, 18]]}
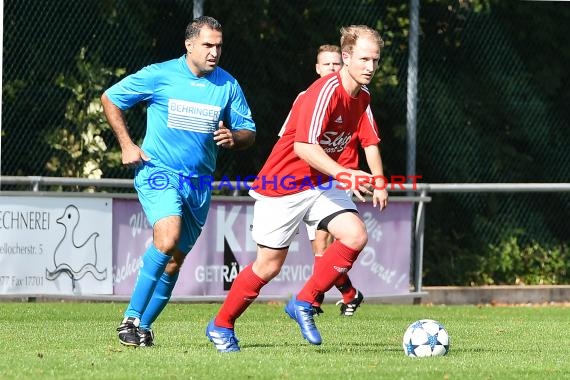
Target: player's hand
{"points": [[224, 136], [133, 155], [380, 198], [360, 182]]}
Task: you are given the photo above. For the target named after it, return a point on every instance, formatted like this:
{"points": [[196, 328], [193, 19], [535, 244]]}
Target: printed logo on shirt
{"points": [[338, 119], [340, 269], [333, 141], [190, 116]]}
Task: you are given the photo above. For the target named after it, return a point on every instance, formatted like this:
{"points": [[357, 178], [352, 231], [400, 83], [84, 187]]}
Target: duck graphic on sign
{"points": [[71, 257]]}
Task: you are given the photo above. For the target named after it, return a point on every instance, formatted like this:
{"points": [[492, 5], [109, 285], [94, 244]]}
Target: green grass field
{"points": [[78, 341]]}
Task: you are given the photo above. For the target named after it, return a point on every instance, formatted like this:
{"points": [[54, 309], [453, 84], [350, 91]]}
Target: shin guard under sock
{"points": [[243, 292], [152, 266], [159, 299], [321, 297], [338, 259]]}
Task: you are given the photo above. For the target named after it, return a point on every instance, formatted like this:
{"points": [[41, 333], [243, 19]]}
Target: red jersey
{"points": [[326, 115], [367, 134]]}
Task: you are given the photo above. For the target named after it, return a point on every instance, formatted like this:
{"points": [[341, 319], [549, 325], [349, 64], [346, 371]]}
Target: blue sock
{"points": [[159, 299], [152, 267]]}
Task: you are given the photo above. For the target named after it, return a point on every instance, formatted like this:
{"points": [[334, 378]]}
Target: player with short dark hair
{"points": [[193, 108], [321, 123]]}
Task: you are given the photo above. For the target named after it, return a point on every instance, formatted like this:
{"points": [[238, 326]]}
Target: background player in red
{"points": [[329, 60], [297, 184]]}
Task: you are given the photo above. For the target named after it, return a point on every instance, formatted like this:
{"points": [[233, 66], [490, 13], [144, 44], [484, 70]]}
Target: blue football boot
{"points": [[302, 312], [223, 338]]}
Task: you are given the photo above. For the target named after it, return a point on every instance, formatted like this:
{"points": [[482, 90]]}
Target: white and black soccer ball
{"points": [[424, 338]]}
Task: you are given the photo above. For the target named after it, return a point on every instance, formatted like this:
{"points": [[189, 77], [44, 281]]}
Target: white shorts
{"points": [[276, 220], [312, 229]]}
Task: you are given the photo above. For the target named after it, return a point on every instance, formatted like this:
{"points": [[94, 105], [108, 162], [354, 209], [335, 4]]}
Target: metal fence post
{"points": [[412, 89], [419, 245]]}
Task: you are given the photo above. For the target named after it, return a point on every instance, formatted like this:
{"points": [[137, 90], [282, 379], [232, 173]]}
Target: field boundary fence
{"points": [[419, 193]]}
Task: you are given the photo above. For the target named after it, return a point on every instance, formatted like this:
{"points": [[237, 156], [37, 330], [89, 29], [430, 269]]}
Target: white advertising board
{"points": [[55, 245]]}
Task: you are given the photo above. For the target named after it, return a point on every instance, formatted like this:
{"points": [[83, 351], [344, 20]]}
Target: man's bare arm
{"points": [[130, 152]]}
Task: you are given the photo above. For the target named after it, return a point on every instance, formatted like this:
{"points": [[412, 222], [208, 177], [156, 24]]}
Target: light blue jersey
{"points": [[183, 112]]}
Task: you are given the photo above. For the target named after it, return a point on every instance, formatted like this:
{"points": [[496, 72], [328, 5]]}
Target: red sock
{"points": [[319, 300], [243, 292], [344, 286], [338, 258], [318, 263]]}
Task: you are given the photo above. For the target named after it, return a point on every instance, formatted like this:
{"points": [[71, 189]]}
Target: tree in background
{"points": [[79, 147], [493, 103]]}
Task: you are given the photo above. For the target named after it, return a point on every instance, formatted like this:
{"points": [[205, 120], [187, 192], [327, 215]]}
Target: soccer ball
{"points": [[424, 338]]}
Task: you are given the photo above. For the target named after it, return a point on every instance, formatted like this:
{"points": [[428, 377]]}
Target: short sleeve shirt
{"points": [[183, 111], [367, 135], [326, 115]]}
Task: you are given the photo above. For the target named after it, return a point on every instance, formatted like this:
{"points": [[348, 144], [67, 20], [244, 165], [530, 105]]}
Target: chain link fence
{"points": [[492, 101], [487, 115]]}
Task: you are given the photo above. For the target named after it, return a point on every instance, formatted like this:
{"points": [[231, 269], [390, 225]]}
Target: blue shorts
{"points": [[164, 193]]}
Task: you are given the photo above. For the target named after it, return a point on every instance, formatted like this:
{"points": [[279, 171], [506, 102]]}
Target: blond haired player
{"points": [[298, 184], [329, 60]]}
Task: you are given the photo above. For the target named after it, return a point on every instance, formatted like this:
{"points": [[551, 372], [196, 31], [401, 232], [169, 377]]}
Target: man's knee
{"points": [[166, 234], [166, 243], [268, 262], [359, 240], [350, 230], [268, 269]]}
